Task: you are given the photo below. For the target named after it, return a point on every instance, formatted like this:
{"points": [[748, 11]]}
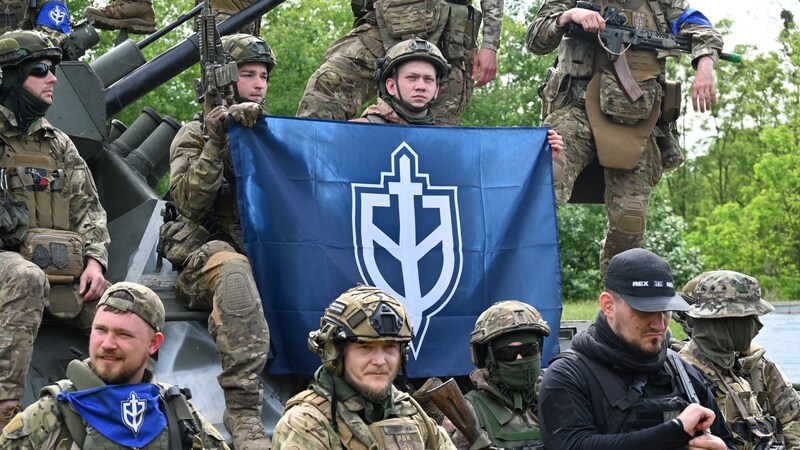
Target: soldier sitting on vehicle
{"points": [[758, 402], [53, 230], [111, 399], [207, 246], [506, 346], [363, 342]]}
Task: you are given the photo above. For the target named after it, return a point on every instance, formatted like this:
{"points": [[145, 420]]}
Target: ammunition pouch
{"points": [[666, 134], [65, 302], [616, 105], [671, 104], [180, 237], [554, 93], [58, 253], [461, 32], [13, 222], [760, 434], [404, 19]]}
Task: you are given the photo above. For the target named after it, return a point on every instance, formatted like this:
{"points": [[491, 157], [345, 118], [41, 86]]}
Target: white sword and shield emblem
{"points": [[133, 411], [407, 237]]}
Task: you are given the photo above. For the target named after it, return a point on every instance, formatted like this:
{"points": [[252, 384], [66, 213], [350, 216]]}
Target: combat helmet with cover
{"points": [[724, 293], [503, 317], [687, 293], [409, 50], [20, 46], [363, 313], [246, 48]]}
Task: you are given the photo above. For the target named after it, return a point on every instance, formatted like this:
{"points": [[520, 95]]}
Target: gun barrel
{"points": [[174, 61]]}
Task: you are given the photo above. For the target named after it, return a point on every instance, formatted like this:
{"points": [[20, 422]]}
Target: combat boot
{"points": [[7, 413], [136, 16], [247, 430]]}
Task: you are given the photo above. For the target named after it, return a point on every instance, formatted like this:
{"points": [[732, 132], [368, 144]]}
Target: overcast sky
{"points": [[754, 22]]}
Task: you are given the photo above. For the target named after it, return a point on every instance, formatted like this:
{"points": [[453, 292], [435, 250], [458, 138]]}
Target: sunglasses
{"points": [[509, 353], [40, 70]]}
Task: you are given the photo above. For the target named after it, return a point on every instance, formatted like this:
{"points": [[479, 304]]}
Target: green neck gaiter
{"points": [[516, 380], [373, 412], [397, 106], [720, 339], [26, 107]]}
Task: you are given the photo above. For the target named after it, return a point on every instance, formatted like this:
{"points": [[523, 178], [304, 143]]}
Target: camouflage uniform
{"points": [[362, 314], [24, 287], [381, 112], [504, 411], [216, 276], [45, 425], [764, 393], [627, 191], [344, 81]]}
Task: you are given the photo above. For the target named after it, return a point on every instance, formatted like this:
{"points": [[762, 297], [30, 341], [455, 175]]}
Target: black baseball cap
{"points": [[645, 281]]}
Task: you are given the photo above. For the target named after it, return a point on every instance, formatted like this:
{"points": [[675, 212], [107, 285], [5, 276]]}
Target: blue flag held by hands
{"points": [[447, 220]]}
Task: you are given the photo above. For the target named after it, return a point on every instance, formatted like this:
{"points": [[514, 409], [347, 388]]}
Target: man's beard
{"points": [[121, 378], [639, 352], [372, 394]]}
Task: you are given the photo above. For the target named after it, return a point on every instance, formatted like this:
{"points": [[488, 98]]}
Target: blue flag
{"points": [[690, 15], [447, 220]]}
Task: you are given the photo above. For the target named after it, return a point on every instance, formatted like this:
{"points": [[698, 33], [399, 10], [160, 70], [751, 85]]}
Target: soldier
{"points": [[583, 101], [344, 81], [44, 178], [619, 386], [138, 16], [409, 76], [363, 343], [206, 242], [758, 402], [111, 399], [506, 346]]}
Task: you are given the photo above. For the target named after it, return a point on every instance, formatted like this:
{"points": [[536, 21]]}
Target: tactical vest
{"points": [[498, 421], [619, 407], [16, 15], [32, 175], [740, 403], [394, 433]]}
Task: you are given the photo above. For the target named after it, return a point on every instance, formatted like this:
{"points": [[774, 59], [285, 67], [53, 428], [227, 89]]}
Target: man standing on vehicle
{"points": [[409, 77], [111, 399], [760, 405], [363, 343], [344, 81], [619, 387], [206, 241], [53, 228], [634, 141]]}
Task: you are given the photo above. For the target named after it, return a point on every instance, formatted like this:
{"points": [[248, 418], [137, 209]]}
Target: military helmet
{"points": [[501, 318], [17, 47], [408, 50], [724, 293], [246, 48], [363, 313]]}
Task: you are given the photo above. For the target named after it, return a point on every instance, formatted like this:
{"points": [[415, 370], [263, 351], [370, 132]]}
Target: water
{"points": [[781, 337]]}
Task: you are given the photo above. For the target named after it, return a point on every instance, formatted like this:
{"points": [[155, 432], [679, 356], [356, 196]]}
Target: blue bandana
{"points": [[127, 414], [55, 15], [690, 15]]}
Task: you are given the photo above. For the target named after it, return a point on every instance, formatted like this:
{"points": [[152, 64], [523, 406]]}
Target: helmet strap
{"points": [[334, 402]]}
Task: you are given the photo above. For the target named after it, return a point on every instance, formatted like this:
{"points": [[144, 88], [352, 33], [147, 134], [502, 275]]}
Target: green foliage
{"points": [[580, 229]]}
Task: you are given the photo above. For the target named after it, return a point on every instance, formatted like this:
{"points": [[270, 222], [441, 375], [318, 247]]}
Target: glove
{"points": [[216, 125], [246, 113]]}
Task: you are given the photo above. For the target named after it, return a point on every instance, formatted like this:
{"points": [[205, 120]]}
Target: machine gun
{"points": [[617, 38], [217, 76]]}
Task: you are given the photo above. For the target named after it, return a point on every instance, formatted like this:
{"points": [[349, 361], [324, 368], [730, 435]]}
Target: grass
{"points": [[587, 310]]}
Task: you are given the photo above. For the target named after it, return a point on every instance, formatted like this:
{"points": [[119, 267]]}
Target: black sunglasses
{"points": [[40, 70], [510, 352]]}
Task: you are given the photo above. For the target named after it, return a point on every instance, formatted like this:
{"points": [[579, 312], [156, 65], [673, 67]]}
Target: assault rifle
{"points": [[216, 76], [448, 398], [617, 38]]}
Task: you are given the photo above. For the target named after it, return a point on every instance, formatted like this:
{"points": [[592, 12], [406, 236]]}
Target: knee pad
{"points": [[631, 218], [237, 291]]}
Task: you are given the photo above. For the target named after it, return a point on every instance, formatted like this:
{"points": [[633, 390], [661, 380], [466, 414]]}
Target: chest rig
{"points": [[32, 174], [506, 428]]}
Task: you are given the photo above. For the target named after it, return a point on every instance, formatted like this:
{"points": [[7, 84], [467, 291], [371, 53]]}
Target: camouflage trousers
{"points": [[215, 278], [627, 192], [223, 9], [345, 81], [23, 297]]}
